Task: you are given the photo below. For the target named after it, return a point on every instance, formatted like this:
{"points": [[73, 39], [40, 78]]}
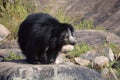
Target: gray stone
{"points": [[82, 62], [90, 55], [96, 37], [60, 59], [109, 74], [90, 37], [67, 48], [3, 32], [100, 62], [109, 53], [1, 58], [69, 63], [24, 71]]}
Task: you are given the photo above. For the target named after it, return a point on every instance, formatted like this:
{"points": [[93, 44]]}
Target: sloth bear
{"points": [[41, 37]]}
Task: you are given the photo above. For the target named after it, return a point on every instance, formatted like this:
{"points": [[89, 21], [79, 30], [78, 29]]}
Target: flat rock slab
{"points": [[96, 37], [18, 70]]}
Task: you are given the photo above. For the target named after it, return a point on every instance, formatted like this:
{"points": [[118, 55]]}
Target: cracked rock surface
{"points": [[20, 70]]}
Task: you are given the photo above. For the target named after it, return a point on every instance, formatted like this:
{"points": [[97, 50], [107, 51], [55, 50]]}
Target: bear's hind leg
{"points": [[31, 55], [51, 56]]}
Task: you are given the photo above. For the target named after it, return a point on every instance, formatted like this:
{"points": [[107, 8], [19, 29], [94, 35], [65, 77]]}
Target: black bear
{"points": [[41, 37]]}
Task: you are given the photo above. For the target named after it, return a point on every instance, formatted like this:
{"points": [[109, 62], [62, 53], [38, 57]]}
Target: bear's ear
{"points": [[57, 30], [65, 26]]}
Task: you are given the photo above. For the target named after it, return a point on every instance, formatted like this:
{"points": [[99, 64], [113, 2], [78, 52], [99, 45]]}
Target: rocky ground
{"points": [[101, 62], [96, 61]]}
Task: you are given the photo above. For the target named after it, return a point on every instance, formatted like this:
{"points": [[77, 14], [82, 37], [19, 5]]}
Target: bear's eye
{"points": [[65, 34]]}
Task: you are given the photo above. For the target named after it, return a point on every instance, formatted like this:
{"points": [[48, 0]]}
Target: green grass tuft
{"points": [[13, 56], [13, 14], [79, 49]]}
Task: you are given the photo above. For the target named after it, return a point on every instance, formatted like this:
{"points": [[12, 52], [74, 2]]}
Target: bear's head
{"points": [[64, 34]]}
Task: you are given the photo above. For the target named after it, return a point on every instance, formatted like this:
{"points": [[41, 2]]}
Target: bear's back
{"points": [[41, 18]]}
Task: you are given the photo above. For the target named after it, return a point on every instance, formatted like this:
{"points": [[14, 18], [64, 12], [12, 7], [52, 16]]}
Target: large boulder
{"points": [[96, 37], [22, 71], [104, 13]]}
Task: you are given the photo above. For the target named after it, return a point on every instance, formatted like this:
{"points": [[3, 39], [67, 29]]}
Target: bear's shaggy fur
{"points": [[41, 37]]}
